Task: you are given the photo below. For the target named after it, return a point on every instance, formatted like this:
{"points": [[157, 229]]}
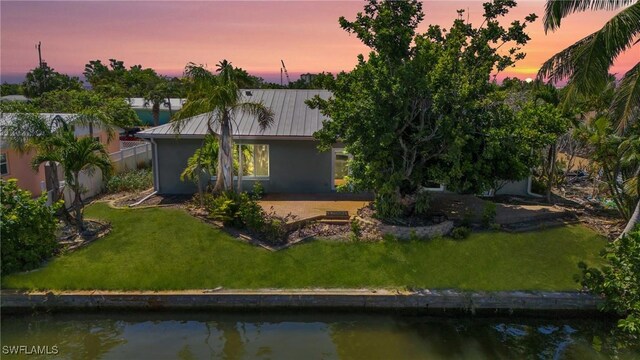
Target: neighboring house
{"points": [[13, 164], [143, 109], [284, 158]]}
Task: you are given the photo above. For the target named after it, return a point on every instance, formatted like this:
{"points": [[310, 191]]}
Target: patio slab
{"points": [[311, 206]]}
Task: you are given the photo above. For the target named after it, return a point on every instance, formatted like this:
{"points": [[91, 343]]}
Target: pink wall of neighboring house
{"points": [[19, 165]]}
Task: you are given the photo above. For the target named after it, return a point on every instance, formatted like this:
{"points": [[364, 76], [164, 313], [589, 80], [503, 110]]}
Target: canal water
{"points": [[305, 336]]}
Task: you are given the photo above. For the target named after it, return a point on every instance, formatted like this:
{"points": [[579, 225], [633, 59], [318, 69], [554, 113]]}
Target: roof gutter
{"points": [[236, 137]]}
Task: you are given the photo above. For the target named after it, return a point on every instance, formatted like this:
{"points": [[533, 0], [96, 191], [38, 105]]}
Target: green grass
{"points": [[163, 249]]}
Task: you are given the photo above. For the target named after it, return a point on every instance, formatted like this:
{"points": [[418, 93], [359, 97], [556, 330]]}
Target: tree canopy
{"points": [[423, 108], [44, 79]]}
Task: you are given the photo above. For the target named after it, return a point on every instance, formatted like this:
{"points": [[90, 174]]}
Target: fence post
{"points": [[135, 156]]}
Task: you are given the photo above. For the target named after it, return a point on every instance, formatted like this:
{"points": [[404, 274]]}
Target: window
{"points": [[254, 160], [4, 165]]}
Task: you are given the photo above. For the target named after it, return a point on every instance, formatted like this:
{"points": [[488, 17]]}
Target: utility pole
{"points": [[41, 65], [285, 72]]}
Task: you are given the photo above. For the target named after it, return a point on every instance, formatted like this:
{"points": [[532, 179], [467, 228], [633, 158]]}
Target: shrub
{"points": [[242, 211], [461, 232], [423, 201], [274, 231], [618, 280], [221, 208], [258, 190], [495, 227], [356, 230], [132, 180], [488, 214], [387, 206], [27, 228], [467, 218]]}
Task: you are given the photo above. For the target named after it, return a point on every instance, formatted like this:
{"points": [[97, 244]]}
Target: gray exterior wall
{"points": [[172, 155], [518, 188], [295, 166]]}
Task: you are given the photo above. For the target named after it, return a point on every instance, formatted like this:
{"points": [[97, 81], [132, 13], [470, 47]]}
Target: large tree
{"points": [[219, 97], [586, 63], [117, 81], [44, 79], [422, 107], [89, 108]]}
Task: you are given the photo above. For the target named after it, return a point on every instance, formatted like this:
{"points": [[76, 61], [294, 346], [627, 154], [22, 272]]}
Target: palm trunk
{"points": [[91, 130], [552, 169], [155, 112], [633, 221], [77, 202], [224, 180]]}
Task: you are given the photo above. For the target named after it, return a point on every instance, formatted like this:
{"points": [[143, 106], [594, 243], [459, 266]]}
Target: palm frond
{"points": [[626, 102], [263, 114], [23, 130], [556, 10], [586, 63]]}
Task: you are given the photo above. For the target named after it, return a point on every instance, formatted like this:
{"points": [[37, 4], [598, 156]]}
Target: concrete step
{"points": [[335, 221]]}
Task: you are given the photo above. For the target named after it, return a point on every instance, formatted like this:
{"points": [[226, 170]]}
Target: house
{"points": [[144, 109], [16, 165], [284, 157]]}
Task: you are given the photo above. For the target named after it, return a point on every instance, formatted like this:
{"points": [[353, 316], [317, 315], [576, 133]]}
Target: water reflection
{"points": [[309, 336]]}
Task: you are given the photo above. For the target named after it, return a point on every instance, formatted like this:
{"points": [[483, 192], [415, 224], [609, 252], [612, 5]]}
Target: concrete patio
{"points": [[454, 206], [313, 206]]}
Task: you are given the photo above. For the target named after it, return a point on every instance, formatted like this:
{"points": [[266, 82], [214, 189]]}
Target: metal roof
{"points": [[292, 117]]}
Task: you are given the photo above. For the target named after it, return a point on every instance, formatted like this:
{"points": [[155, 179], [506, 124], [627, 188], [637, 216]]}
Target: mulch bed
{"points": [[128, 199], [71, 240]]}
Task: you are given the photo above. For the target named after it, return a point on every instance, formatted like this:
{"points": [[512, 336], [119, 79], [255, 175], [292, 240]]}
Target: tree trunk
{"points": [[224, 180], [91, 129], [240, 169], [552, 170], [170, 109], [633, 221], [155, 112], [77, 202]]}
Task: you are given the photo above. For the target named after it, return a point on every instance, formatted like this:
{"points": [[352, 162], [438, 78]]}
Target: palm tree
{"points": [[586, 63], [220, 98], [76, 155]]}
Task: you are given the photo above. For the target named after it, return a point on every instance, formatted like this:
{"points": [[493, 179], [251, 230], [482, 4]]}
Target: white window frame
{"points": [[252, 177], [334, 152], [4, 157]]}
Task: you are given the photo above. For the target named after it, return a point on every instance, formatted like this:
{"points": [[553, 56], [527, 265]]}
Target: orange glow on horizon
{"points": [[252, 35]]}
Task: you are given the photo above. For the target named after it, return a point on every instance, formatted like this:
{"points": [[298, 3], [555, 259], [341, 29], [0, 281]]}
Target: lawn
{"points": [[161, 249]]}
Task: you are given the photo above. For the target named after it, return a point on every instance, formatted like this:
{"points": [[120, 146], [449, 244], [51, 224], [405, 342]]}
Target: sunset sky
{"points": [[254, 35]]}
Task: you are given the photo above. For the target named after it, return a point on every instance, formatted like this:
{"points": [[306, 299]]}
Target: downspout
{"points": [[154, 162]]}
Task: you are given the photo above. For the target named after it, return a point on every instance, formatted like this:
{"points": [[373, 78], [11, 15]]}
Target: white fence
{"points": [[132, 155]]}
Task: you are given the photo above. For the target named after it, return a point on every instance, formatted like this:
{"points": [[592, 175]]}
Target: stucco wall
{"points": [[172, 159], [20, 168], [518, 188], [295, 166]]}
